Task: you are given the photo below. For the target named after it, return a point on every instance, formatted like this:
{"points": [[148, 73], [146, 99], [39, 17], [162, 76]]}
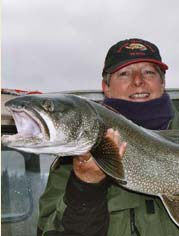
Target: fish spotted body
{"points": [[67, 125]]}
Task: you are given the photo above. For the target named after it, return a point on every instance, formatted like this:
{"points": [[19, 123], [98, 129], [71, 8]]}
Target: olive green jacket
{"points": [[129, 211]]}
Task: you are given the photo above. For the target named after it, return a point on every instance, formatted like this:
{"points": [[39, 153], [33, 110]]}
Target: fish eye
{"points": [[48, 105]]}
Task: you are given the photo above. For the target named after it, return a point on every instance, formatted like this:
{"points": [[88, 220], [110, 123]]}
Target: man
{"points": [[84, 201]]}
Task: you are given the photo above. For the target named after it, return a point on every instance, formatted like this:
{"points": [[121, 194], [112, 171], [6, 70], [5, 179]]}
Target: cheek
{"points": [[118, 90], [157, 88]]}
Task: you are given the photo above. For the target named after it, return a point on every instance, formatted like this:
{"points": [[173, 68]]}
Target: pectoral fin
{"points": [[106, 154], [172, 205]]}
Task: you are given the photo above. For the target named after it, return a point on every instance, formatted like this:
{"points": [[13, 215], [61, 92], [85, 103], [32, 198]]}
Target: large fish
{"points": [[70, 125]]}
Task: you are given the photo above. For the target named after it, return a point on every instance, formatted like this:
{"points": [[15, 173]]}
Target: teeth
{"points": [[140, 95]]}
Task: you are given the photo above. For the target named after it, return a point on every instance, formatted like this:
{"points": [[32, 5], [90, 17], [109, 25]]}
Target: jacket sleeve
{"points": [[86, 213]]}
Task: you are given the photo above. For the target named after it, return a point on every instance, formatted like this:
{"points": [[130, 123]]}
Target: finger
{"points": [[116, 137], [110, 133], [85, 161], [83, 158], [122, 149]]}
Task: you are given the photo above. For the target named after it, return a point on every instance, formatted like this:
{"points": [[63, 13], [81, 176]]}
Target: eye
{"points": [[48, 105], [149, 72], [124, 74]]}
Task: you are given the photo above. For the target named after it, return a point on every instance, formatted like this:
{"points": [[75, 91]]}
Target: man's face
{"points": [[137, 82]]}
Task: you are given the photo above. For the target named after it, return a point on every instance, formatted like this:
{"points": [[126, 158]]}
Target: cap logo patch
{"points": [[139, 46]]}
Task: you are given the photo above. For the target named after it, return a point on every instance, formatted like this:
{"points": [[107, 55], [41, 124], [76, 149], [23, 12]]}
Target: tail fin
{"points": [[171, 203]]}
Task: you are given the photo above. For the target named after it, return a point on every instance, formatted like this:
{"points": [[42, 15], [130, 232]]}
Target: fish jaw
{"points": [[38, 146]]}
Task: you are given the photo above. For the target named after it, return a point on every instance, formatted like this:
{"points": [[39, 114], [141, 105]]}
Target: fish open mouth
{"points": [[28, 127]]}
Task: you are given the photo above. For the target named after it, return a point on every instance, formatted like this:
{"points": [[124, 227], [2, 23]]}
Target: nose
{"points": [[137, 79]]}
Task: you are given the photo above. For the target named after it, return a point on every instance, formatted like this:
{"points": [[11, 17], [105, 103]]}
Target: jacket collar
{"points": [[174, 123]]}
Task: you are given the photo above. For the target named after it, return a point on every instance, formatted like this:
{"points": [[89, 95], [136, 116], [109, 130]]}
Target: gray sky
{"points": [[59, 45]]}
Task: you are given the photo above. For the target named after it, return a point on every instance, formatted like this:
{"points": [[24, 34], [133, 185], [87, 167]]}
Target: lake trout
{"points": [[67, 125]]}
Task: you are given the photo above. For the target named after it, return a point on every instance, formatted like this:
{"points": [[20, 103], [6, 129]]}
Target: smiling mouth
{"points": [[139, 96]]}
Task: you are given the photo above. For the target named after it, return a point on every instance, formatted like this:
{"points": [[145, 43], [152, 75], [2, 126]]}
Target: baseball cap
{"points": [[131, 51]]}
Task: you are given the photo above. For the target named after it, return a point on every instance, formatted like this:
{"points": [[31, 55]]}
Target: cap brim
{"points": [[162, 66]]}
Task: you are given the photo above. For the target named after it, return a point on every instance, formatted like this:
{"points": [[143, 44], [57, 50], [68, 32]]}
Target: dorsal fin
{"points": [[106, 154], [171, 203]]}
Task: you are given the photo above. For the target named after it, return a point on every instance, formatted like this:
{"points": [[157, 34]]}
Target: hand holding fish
{"points": [[85, 166]]}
